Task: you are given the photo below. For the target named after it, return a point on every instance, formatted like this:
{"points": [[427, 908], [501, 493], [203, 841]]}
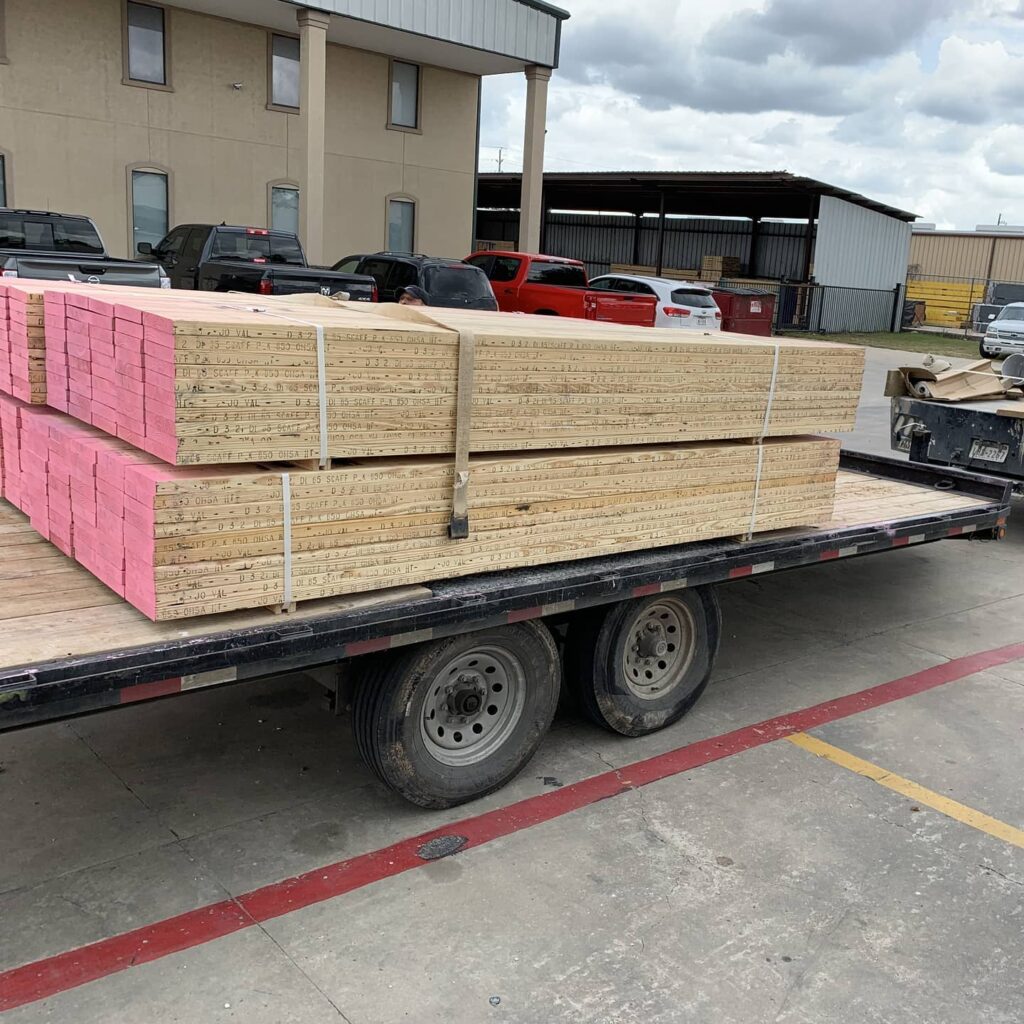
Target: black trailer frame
{"points": [[970, 436], [50, 690]]}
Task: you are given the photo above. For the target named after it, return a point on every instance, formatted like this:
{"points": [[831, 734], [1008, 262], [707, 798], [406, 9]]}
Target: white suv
{"points": [[680, 304]]}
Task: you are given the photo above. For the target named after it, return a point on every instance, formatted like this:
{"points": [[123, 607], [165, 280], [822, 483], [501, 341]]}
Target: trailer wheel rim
{"points": [[473, 705], [659, 649]]}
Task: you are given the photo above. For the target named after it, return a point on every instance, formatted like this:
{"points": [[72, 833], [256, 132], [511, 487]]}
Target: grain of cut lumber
{"points": [[203, 379], [186, 541]]}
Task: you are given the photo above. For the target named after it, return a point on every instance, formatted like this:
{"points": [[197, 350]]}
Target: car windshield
{"points": [[42, 233], [1011, 313], [257, 246], [694, 297], [458, 282]]}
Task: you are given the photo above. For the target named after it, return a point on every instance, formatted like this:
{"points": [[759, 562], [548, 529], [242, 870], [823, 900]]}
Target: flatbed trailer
{"points": [[458, 680]]}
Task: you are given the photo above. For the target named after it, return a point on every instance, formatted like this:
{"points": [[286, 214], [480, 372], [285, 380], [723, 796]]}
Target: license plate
{"points": [[703, 320], [989, 451]]}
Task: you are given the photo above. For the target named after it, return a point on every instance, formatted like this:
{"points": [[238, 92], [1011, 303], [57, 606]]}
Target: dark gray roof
{"points": [[697, 193]]}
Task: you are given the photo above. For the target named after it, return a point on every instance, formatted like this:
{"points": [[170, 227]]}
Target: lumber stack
{"points": [[22, 345], [715, 267], [176, 424], [184, 541], [205, 379]]}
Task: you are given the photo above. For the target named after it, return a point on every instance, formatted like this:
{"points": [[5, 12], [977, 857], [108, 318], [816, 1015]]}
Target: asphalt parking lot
{"points": [[757, 862]]}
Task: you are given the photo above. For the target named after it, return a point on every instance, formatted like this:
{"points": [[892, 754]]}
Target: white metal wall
{"points": [[498, 26], [859, 248]]}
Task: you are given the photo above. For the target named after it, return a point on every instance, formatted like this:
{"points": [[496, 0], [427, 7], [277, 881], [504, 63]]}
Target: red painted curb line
{"points": [[52, 975]]}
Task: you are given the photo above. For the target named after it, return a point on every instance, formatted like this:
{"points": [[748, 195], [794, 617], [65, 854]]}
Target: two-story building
{"points": [[354, 122]]}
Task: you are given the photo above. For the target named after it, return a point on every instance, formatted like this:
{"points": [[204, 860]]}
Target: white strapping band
{"points": [[760, 442], [757, 489], [771, 393], [286, 502]]}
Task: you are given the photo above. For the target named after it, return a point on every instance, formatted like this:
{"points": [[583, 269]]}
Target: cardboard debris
{"points": [[977, 380]]}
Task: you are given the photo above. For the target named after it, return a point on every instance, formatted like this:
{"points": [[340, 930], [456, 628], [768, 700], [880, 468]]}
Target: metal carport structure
{"points": [[846, 221]]}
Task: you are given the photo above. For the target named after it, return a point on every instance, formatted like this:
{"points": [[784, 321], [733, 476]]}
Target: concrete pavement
{"points": [[770, 886]]}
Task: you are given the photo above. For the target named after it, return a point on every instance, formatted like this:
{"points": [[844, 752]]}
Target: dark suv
{"points": [[450, 283]]}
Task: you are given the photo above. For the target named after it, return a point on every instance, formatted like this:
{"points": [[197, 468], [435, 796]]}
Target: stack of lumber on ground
{"points": [[206, 379], [670, 273], [184, 541], [720, 266]]}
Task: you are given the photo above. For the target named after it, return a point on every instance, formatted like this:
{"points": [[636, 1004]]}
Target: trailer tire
{"points": [[455, 719], [631, 673]]}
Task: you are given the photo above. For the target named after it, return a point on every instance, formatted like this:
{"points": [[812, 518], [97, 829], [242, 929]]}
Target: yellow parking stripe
{"points": [[920, 795]]}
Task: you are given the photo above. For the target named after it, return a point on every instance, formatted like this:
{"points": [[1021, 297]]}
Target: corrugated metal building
{"points": [[985, 256], [779, 227]]}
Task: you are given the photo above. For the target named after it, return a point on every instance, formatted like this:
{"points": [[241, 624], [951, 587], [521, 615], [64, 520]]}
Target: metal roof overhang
{"points": [[497, 53], [753, 194]]}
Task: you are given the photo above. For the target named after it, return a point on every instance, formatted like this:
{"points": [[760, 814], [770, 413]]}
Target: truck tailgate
{"points": [[69, 645], [121, 272], [622, 308]]}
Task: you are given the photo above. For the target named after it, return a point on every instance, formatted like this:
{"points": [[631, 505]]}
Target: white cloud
{"points": [[916, 109]]}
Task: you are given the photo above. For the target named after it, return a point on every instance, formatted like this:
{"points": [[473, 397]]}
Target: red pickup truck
{"points": [[524, 283]]}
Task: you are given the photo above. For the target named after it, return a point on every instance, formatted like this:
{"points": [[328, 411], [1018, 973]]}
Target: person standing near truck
{"points": [[413, 295]]}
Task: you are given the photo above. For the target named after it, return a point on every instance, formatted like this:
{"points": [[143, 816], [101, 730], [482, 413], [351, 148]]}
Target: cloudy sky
{"points": [[919, 103]]}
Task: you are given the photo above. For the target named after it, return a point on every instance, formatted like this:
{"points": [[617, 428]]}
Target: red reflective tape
{"points": [[900, 542], [827, 556], [65, 971], [955, 531], [522, 614], [646, 590], [146, 691], [382, 643], [745, 570]]}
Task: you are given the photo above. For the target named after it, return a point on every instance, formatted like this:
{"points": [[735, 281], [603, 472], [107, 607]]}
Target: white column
{"points": [[531, 205], [313, 127]]}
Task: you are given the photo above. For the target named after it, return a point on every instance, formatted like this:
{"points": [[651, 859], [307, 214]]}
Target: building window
{"points": [[146, 43], [149, 207], [401, 225], [284, 208], [284, 71], [3, 31], [405, 95]]}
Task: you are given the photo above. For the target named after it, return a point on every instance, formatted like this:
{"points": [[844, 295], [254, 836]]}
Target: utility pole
{"points": [[500, 157]]}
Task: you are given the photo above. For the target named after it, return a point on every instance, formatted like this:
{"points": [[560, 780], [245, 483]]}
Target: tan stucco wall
{"points": [[71, 130]]}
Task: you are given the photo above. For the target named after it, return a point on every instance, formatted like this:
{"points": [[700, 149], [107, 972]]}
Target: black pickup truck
{"points": [[221, 258], [65, 247]]}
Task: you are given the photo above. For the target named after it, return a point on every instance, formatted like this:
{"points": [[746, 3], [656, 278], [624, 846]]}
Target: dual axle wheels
{"points": [[454, 719]]}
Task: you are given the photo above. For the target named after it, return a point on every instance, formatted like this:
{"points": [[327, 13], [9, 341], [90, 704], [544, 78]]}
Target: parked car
{"points": [[1005, 334], [221, 258], [680, 304], [65, 247], [450, 283], [551, 285]]}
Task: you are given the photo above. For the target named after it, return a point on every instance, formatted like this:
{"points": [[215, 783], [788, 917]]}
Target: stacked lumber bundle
{"points": [[715, 267], [184, 541], [206, 379], [22, 345], [172, 476]]}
